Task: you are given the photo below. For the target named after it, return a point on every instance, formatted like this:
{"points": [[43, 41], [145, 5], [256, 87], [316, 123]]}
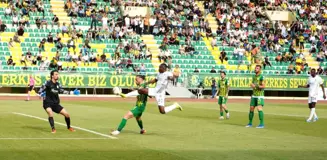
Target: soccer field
{"points": [[195, 133]]}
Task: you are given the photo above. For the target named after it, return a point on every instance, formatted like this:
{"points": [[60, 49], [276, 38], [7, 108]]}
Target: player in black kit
{"points": [[51, 102]]}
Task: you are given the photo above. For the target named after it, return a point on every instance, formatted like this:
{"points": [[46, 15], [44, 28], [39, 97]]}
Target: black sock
{"points": [[67, 122], [51, 121]]}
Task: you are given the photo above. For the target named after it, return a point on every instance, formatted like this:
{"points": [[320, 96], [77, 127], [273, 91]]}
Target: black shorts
{"points": [[55, 107], [30, 88]]}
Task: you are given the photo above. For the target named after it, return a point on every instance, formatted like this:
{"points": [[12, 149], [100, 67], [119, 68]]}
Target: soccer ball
{"points": [[116, 90]]}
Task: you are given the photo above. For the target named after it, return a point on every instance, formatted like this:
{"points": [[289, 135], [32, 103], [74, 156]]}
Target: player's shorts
{"points": [[55, 107], [138, 111], [30, 88], [160, 96], [312, 100], [222, 100], [257, 102]]}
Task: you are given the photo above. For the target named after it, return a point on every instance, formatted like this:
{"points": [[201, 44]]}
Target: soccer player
{"points": [[159, 92], [223, 89], [313, 83], [30, 87], [137, 110], [51, 101], [258, 86]]}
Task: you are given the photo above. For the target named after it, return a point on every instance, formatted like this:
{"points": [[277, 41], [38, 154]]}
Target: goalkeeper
{"points": [[51, 101]]}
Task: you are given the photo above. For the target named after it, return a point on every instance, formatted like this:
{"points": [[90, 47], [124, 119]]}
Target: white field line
{"points": [[79, 128], [53, 138]]}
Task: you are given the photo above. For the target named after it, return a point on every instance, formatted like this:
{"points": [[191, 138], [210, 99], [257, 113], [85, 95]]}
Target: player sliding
{"points": [[159, 92], [313, 83], [51, 101], [258, 86], [137, 110], [223, 86]]}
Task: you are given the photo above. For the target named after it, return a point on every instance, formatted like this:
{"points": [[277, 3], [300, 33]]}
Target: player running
{"points": [[137, 110], [159, 92], [223, 89], [258, 86], [30, 87], [313, 83], [51, 101]]}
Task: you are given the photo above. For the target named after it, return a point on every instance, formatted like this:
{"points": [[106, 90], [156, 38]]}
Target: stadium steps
{"points": [[309, 59], [57, 7], [154, 48], [211, 19]]}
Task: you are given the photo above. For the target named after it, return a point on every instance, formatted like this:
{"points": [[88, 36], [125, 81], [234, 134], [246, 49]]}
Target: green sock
{"points": [[122, 124], [251, 114], [140, 123], [226, 110], [261, 117], [221, 113]]}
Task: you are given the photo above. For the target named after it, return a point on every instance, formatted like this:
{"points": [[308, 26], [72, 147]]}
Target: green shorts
{"points": [[257, 102], [222, 100], [137, 111]]}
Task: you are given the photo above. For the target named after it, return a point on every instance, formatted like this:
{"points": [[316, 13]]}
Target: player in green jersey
{"points": [[223, 89], [258, 86], [137, 110]]}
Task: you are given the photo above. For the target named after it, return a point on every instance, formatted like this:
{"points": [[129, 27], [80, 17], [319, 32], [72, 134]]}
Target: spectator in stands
{"points": [[103, 58], [38, 23], [3, 26], [11, 43], [44, 23], [10, 61], [75, 57], [74, 21], [278, 58], [42, 45], [213, 70], [222, 56], [8, 11], [50, 38], [290, 69], [23, 59], [142, 68], [55, 21], [177, 72], [68, 57], [64, 29], [93, 20], [34, 61], [86, 59], [266, 62], [196, 70], [20, 31], [15, 20], [16, 38], [71, 43]]}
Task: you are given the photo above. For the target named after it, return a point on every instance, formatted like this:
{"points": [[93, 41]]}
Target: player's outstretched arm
{"points": [[62, 91], [152, 81], [304, 86], [323, 90]]}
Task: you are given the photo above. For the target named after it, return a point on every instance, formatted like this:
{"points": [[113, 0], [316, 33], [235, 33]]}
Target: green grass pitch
{"points": [[195, 133]]}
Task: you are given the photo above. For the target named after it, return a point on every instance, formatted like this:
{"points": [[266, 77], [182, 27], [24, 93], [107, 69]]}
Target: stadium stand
{"points": [[199, 36]]}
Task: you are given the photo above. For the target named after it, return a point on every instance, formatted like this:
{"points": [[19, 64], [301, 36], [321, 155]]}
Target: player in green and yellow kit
{"points": [[137, 110], [223, 89], [258, 86]]}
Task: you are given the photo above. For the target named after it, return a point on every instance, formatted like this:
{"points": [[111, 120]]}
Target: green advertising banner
{"points": [[242, 81], [71, 80]]}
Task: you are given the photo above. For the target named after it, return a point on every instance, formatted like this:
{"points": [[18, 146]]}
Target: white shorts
{"points": [[312, 100], [160, 96]]}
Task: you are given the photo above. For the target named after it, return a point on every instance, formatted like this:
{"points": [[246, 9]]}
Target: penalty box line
{"points": [[79, 128]]}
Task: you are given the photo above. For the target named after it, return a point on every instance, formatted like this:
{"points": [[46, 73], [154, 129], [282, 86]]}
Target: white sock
{"points": [[315, 114], [311, 113], [170, 108], [133, 93]]}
